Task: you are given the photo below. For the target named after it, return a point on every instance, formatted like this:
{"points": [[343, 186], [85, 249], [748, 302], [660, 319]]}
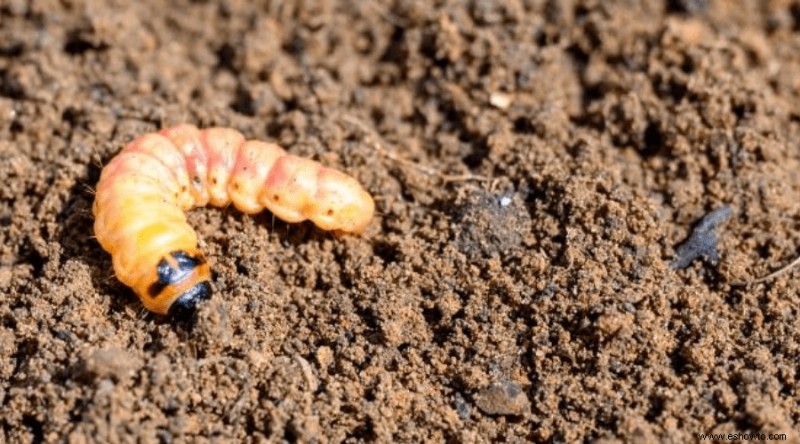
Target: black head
{"points": [[183, 309], [181, 282]]}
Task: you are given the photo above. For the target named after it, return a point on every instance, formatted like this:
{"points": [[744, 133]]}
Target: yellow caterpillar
{"points": [[145, 190]]}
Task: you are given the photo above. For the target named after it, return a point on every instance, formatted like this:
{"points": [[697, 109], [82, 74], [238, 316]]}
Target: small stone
{"points": [[503, 398], [702, 243], [462, 407], [324, 357], [500, 100]]}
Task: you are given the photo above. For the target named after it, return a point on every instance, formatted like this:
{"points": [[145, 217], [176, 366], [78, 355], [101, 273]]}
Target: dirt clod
{"points": [[487, 223], [503, 398]]}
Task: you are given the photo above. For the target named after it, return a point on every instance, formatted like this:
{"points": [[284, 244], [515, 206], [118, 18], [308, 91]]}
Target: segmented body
{"points": [[144, 192]]}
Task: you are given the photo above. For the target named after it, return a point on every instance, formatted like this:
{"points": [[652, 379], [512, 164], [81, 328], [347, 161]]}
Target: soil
{"points": [[536, 164]]}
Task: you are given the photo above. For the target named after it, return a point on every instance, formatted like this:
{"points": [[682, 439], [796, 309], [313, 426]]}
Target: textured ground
{"points": [[536, 166]]}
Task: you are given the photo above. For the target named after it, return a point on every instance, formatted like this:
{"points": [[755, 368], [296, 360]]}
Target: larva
{"points": [[145, 190]]}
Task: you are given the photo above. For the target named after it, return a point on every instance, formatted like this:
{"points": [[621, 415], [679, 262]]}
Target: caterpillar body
{"points": [[145, 190]]}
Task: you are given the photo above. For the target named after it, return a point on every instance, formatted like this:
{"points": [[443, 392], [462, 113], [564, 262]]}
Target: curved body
{"points": [[145, 190]]}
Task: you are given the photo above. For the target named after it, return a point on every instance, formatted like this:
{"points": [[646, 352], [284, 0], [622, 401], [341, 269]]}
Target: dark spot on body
{"points": [[155, 289]]}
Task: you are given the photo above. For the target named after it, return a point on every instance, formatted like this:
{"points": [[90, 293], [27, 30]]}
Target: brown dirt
{"points": [[538, 305]]}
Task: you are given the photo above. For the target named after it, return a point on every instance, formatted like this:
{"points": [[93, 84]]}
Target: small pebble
{"points": [[462, 407], [500, 100], [702, 243], [503, 398]]}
